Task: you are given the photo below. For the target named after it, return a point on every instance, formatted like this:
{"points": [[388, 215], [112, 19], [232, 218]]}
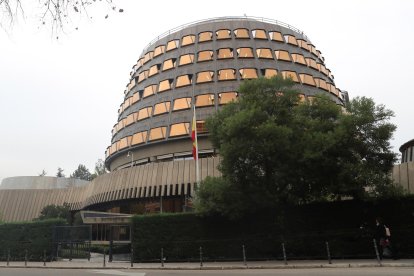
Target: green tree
{"points": [[99, 169], [43, 173], [55, 211], [60, 172], [82, 173], [277, 149]]}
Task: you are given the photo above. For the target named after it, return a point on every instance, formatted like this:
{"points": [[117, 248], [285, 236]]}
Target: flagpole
{"points": [[196, 146]]}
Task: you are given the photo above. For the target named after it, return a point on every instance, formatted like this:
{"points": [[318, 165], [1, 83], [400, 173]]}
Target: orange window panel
{"points": [[187, 40], [144, 113], [139, 138], [290, 74], [171, 45], [282, 55], [276, 36], [135, 98], [313, 50], [157, 133], [168, 64], [114, 148], [290, 39], [142, 76], [159, 50], [332, 88], [186, 59], [131, 118], [227, 97], [322, 69], [223, 34], [307, 79], [205, 56], [321, 84], [205, 76], [248, 73], [204, 100], [182, 103], [148, 56], [298, 58], [183, 80], [268, 73], [140, 62], [224, 53], [154, 70], [264, 53], [311, 63], [180, 129], [123, 143], [227, 74], [161, 108], [201, 127], [149, 90], [165, 85], [302, 98], [259, 34], [127, 103], [241, 33], [245, 53], [205, 36], [303, 44]]}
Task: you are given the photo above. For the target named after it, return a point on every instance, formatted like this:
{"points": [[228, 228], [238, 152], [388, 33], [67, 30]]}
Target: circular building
{"points": [[202, 64], [407, 152]]}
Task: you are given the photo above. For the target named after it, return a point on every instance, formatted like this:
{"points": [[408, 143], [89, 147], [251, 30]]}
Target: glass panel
{"points": [[307, 79], [290, 39], [154, 70], [227, 97], [298, 58], [183, 80], [206, 76], [268, 73], [180, 129], [276, 36], [144, 113], [159, 50], [168, 64], [248, 73], [303, 44], [204, 100], [259, 34], [161, 108], [241, 33], [188, 40], [135, 98], [148, 56], [182, 103], [223, 34], [142, 76], [311, 63], [290, 74], [186, 59], [282, 55], [205, 36], [224, 53], [157, 133], [149, 90], [205, 55], [165, 85], [227, 74], [264, 53], [245, 52], [139, 138], [171, 45]]}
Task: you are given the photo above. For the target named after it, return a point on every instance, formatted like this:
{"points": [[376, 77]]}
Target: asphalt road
{"points": [[370, 271]]}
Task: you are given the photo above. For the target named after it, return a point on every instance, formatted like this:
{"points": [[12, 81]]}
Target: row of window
{"points": [[178, 104], [225, 75], [407, 155]]}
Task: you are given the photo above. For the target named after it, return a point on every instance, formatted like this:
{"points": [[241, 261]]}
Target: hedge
{"points": [[347, 226], [35, 237]]}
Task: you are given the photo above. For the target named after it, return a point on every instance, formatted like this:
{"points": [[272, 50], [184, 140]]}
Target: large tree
{"points": [[276, 148], [82, 173]]}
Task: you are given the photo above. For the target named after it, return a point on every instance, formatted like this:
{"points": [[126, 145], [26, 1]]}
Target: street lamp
{"points": [[130, 153]]}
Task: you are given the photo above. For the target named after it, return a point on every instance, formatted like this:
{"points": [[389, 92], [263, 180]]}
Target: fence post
{"points": [[201, 257], [44, 257], [104, 261], [284, 253], [8, 256], [89, 251], [162, 257], [25, 257], [132, 257], [111, 243], [376, 252], [244, 255], [328, 252]]}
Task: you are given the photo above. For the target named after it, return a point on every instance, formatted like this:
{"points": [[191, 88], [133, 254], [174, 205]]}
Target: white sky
{"points": [[59, 98]]}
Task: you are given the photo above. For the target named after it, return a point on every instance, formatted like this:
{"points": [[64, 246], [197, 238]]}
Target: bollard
{"points": [[8, 256], [44, 257], [244, 255], [162, 257], [328, 252], [201, 257], [132, 257], [104, 263], [25, 257], [376, 252], [284, 253]]}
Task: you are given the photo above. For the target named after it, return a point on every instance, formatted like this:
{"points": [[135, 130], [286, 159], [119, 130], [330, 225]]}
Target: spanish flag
{"points": [[194, 136]]}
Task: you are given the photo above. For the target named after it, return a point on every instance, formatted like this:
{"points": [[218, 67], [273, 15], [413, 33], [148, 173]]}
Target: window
{"points": [[268, 72], [144, 113], [186, 59], [332, 88], [168, 64], [223, 34], [321, 84], [142, 76], [264, 53], [227, 97], [148, 56], [112, 149], [201, 127], [303, 44], [311, 63], [290, 39], [139, 138], [322, 69], [159, 50], [135, 98], [290, 74], [172, 44], [226, 74], [131, 118], [224, 53], [312, 49], [161, 108], [298, 58], [187, 40], [307, 79], [182, 103], [131, 84], [124, 142], [245, 53], [127, 103], [248, 73], [204, 100], [149, 90], [157, 133], [205, 36], [276, 36], [259, 34], [165, 85], [241, 33], [205, 56], [154, 70], [140, 62], [206, 76], [180, 129], [184, 80], [282, 55]]}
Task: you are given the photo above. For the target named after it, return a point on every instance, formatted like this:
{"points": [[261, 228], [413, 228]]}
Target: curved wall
{"points": [[40, 182]]}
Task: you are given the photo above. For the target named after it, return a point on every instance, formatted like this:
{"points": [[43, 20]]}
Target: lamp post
{"points": [[130, 153]]}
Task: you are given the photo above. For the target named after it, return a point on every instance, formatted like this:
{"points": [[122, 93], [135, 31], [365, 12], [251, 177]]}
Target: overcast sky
{"points": [[59, 98]]}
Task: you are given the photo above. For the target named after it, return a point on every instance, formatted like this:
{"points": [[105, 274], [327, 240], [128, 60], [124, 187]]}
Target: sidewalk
{"points": [[85, 264]]}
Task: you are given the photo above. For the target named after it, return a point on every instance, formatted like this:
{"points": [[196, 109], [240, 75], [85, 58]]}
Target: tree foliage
{"points": [[277, 149], [55, 211], [60, 172], [82, 173], [99, 169]]}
